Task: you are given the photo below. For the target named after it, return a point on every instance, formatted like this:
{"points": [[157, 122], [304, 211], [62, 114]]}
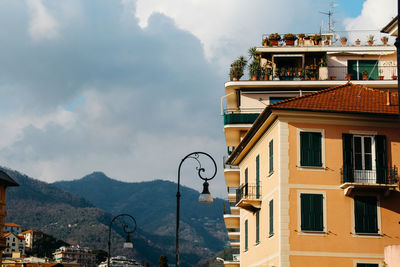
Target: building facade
{"points": [[293, 70], [14, 244], [75, 254], [319, 180]]}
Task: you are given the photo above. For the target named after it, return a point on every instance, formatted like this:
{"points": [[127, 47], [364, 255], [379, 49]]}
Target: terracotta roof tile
{"points": [[12, 225], [344, 98], [29, 231]]}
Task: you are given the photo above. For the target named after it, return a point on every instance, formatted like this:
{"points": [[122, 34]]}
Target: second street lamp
{"points": [[205, 196], [128, 229]]}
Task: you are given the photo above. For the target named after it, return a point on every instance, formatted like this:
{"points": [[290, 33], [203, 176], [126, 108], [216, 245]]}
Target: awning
{"points": [[381, 53]]}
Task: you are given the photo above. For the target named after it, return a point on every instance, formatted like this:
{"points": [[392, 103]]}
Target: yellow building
{"points": [[318, 180]]}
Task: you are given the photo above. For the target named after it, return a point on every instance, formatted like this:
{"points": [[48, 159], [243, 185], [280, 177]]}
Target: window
{"points": [[271, 156], [365, 215], [258, 176], [271, 217], [312, 212], [310, 149], [274, 99], [357, 68], [246, 181], [257, 227], [364, 159], [246, 235], [367, 265]]}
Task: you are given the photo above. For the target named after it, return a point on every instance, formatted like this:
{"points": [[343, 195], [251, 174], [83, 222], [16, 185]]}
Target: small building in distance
{"points": [[75, 254], [121, 261], [14, 243], [12, 228], [31, 236]]}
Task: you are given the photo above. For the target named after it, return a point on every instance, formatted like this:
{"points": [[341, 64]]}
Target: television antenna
{"points": [[330, 13]]}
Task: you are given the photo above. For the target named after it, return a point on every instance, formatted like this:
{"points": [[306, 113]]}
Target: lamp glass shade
{"points": [[205, 196], [128, 243]]}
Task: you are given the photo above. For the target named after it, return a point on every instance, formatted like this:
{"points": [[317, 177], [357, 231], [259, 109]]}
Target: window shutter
{"points": [[271, 217], [310, 149], [246, 181], [365, 214], [348, 172], [304, 148], [312, 212], [258, 176], [271, 156], [246, 237], [257, 227], [381, 159]]}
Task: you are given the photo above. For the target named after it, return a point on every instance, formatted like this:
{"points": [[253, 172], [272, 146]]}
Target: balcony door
{"points": [[357, 67], [364, 159]]}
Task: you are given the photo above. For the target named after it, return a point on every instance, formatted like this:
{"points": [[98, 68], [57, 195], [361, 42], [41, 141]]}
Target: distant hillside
{"points": [[153, 204], [84, 221], [66, 216]]}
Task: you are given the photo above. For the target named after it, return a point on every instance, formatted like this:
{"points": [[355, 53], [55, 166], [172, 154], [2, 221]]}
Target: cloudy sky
{"points": [[129, 87]]}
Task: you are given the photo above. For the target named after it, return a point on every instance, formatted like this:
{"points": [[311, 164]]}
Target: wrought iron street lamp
{"points": [[205, 196], [128, 229]]}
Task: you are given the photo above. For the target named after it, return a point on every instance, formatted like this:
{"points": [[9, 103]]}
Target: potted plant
{"points": [[394, 77], [384, 40], [237, 68], [358, 42], [265, 41], [307, 40], [316, 38], [343, 40], [289, 38], [371, 39], [301, 36], [266, 72], [274, 39], [255, 70], [365, 75], [333, 77], [348, 76], [380, 77]]}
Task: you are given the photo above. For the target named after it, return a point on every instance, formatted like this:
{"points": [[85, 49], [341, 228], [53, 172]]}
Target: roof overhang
{"points": [[392, 27]]}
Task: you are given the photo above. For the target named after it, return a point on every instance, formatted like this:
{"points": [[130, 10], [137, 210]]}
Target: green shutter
{"points": [[258, 176], [310, 149], [246, 182], [381, 159], [271, 156], [246, 235], [347, 144], [257, 227], [365, 214], [312, 212], [271, 217], [352, 69], [371, 66]]}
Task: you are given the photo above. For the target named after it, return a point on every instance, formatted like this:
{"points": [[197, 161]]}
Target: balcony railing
{"points": [[228, 166], [383, 176], [248, 191], [241, 116]]}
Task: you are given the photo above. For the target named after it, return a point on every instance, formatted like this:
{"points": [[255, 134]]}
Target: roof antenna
{"points": [[330, 13]]}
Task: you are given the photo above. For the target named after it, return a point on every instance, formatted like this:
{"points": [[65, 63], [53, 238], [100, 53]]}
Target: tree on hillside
{"points": [[163, 262], [101, 255]]}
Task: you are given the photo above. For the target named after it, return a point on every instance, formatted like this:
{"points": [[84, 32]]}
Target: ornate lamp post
{"points": [[128, 229], [205, 196]]}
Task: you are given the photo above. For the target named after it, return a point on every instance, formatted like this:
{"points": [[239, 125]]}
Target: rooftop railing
{"points": [[353, 38]]}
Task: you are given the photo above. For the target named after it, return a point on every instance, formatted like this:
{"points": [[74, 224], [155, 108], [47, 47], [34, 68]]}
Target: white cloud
{"points": [[42, 25], [375, 14], [227, 28]]}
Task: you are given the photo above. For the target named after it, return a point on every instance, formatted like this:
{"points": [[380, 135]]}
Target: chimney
{"points": [[387, 98]]}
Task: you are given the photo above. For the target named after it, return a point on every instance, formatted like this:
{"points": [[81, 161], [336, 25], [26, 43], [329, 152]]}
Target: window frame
{"points": [[313, 130], [324, 213], [271, 157]]}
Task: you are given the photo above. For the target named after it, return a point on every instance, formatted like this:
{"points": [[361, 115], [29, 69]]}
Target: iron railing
{"points": [[380, 176], [248, 191]]}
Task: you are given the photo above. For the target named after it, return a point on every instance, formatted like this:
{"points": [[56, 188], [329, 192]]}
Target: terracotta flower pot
{"points": [[333, 78], [254, 78], [274, 42], [289, 42], [365, 77], [348, 77], [235, 79], [394, 77], [380, 77]]}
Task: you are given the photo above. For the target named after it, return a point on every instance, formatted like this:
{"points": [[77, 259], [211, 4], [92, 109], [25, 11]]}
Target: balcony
{"points": [[232, 195], [248, 197], [232, 175], [241, 116], [232, 260], [379, 181]]}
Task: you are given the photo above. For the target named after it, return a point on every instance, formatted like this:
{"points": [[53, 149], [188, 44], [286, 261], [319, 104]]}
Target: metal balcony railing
{"points": [[248, 191], [382, 176], [228, 166]]}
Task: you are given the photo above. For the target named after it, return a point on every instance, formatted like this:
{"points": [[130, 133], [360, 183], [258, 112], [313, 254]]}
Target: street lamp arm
{"points": [[201, 172]]}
